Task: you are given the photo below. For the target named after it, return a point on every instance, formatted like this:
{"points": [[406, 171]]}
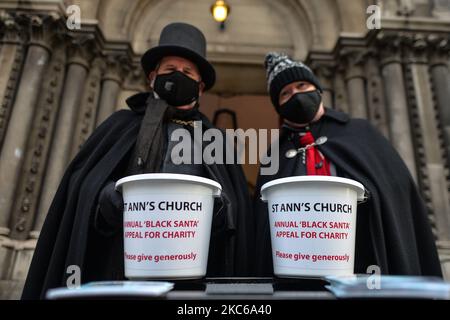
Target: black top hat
{"points": [[182, 40]]}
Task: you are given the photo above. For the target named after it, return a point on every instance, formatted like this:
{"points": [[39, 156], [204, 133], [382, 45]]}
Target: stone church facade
{"points": [[58, 82]]}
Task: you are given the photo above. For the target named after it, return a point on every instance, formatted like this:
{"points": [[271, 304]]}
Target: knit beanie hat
{"points": [[282, 70]]}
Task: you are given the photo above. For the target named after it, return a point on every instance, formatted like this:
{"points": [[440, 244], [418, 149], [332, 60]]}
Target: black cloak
{"points": [[393, 230], [70, 235]]}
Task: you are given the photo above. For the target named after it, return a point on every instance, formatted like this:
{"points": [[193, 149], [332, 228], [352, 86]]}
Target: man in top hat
{"points": [[393, 231], [84, 224]]}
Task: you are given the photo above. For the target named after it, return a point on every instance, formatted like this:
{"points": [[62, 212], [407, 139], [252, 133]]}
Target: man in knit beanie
{"points": [[285, 75], [392, 231]]}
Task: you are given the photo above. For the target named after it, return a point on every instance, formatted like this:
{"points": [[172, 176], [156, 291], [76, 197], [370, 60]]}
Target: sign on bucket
{"points": [[312, 224], [167, 225]]}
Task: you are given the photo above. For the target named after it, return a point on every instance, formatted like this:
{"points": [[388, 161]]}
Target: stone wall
{"points": [[57, 85]]}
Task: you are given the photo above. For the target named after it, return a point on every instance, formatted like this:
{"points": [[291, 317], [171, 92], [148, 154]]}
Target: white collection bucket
{"points": [[312, 224], [167, 225]]}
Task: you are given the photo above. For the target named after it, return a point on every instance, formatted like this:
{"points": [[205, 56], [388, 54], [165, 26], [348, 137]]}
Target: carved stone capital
{"points": [[415, 47], [135, 78], [80, 49], [98, 63], [353, 59], [389, 47], [116, 66], [439, 45], [12, 30], [43, 29], [323, 70]]}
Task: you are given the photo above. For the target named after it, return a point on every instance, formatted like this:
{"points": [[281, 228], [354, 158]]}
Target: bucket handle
{"points": [[366, 196], [217, 192]]}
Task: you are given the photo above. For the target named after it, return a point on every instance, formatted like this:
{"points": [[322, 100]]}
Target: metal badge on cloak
{"points": [[291, 153]]}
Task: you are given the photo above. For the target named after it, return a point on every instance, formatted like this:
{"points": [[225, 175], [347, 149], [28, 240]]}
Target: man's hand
{"points": [[111, 204]]}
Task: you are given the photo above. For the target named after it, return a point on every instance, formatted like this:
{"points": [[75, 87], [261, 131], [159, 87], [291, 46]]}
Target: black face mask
{"points": [[302, 107], [176, 88]]}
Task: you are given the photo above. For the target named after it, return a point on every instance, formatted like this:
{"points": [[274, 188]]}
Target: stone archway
{"points": [[252, 30]]}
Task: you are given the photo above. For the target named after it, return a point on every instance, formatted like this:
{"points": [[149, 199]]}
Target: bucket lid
{"points": [[357, 186], [217, 188]]}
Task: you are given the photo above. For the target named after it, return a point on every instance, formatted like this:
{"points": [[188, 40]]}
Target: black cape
{"points": [[70, 237], [393, 230]]}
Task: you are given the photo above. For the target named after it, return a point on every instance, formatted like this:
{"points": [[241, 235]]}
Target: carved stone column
{"points": [[397, 106], [29, 186], [89, 102], [440, 76], [110, 86], [376, 102], [428, 134], [11, 158], [432, 170], [60, 152], [341, 100], [355, 80], [11, 59]]}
